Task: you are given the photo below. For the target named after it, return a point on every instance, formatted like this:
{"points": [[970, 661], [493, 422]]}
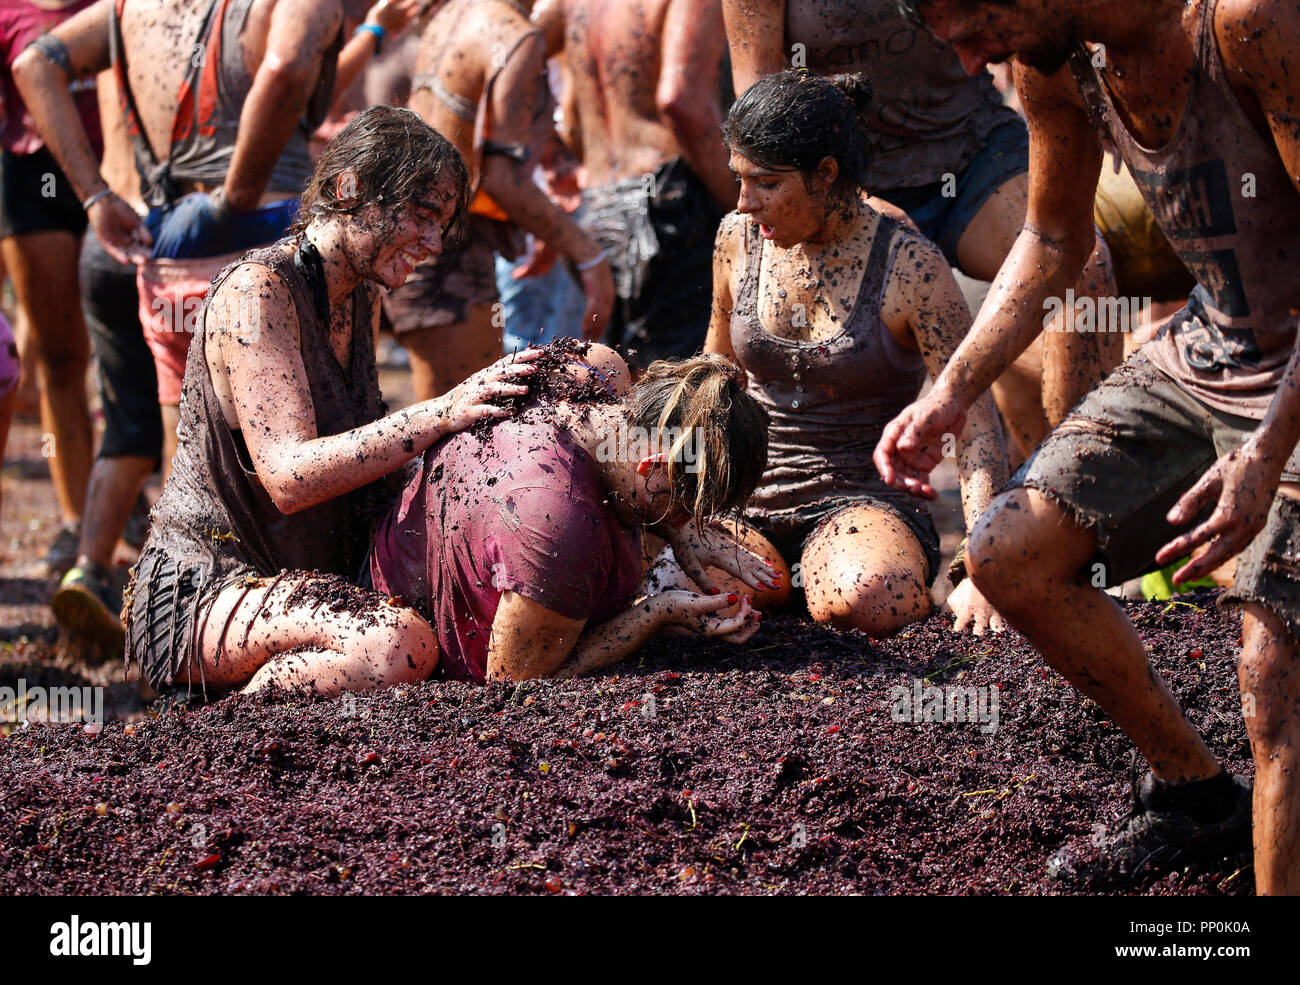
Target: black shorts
{"points": [[160, 610], [660, 247], [35, 196], [128, 382]]}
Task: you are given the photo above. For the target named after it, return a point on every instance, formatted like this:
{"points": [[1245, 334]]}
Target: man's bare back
{"points": [[159, 40], [463, 46], [645, 79], [613, 49]]}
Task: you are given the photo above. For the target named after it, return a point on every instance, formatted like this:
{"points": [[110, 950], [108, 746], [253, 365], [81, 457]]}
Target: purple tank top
{"points": [[1221, 195], [828, 401]]}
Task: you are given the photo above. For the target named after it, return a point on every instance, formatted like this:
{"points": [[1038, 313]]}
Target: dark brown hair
{"points": [[795, 120], [396, 158]]}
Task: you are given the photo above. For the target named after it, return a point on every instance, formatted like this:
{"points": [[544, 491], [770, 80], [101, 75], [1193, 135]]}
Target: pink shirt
{"points": [[524, 510], [20, 24]]}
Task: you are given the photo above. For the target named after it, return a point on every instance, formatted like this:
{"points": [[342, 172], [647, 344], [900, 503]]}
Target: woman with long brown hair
{"points": [[247, 578]]}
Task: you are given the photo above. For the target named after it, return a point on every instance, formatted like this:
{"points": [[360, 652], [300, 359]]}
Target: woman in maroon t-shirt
{"points": [[522, 545]]}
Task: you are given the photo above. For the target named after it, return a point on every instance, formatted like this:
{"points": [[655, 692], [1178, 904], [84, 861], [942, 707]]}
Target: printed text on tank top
{"points": [[1216, 185]]}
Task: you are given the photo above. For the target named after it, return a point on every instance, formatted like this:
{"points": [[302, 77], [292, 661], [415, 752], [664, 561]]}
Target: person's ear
{"points": [[827, 171], [346, 187]]}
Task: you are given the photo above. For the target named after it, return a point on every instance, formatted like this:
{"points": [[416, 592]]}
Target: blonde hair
{"points": [[718, 449]]}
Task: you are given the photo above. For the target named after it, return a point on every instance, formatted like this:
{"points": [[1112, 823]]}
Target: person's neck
{"points": [[341, 278], [602, 431], [843, 222]]}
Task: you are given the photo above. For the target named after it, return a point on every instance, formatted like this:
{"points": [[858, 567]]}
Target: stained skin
{"points": [[1036, 393], [1029, 551], [864, 568], [471, 45]]}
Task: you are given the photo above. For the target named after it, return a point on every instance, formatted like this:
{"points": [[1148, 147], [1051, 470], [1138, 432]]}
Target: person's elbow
{"points": [[285, 488], [288, 79], [690, 115], [34, 74]]}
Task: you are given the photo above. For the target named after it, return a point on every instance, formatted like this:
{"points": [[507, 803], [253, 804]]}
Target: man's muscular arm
{"points": [[1048, 256], [296, 40], [756, 37], [687, 95], [1256, 37]]}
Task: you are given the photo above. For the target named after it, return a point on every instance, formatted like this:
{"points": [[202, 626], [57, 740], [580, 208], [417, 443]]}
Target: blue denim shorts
{"points": [[943, 218]]}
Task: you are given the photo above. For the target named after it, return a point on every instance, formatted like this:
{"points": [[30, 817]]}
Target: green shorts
{"points": [[1122, 458]]}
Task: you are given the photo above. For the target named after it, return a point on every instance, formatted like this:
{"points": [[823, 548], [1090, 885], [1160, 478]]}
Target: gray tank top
{"points": [[1230, 345], [927, 117], [208, 107], [214, 516], [828, 401]]}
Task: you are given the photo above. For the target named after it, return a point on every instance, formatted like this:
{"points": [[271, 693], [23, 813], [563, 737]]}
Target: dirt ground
{"points": [[697, 768]]}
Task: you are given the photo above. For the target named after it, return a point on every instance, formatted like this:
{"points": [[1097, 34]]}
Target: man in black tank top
{"points": [[1201, 424]]}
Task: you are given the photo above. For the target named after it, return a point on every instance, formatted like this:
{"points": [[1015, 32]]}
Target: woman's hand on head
{"points": [[480, 395], [698, 614], [971, 610]]}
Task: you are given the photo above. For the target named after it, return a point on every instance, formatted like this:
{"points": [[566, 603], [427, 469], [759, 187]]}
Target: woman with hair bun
{"points": [[523, 542], [836, 313]]}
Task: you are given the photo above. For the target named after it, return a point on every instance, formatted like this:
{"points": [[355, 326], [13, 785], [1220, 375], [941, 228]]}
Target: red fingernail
{"points": [[732, 599], [713, 591]]}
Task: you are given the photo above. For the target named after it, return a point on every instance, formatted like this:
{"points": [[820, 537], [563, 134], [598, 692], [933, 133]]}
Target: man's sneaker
{"points": [[86, 604], [1155, 837], [62, 554]]}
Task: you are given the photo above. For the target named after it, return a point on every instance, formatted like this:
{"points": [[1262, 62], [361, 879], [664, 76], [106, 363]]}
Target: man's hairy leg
{"points": [[114, 485], [1269, 674], [1026, 555]]}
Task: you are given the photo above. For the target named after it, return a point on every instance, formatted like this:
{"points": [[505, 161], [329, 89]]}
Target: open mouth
{"points": [[765, 230], [411, 259]]}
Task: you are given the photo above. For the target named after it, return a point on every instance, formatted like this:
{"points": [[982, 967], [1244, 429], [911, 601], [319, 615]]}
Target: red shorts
{"points": [[171, 299]]}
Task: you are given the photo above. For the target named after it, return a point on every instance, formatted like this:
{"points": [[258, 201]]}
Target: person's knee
{"points": [[1023, 546], [402, 647], [64, 355], [877, 602]]}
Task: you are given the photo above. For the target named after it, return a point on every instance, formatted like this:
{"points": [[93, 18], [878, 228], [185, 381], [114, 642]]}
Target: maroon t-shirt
{"points": [[20, 24], [523, 510]]}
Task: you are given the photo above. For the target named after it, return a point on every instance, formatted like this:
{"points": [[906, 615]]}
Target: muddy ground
{"points": [[698, 768]]}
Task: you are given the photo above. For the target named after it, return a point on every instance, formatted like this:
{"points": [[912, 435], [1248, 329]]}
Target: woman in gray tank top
{"points": [[836, 313], [248, 576]]}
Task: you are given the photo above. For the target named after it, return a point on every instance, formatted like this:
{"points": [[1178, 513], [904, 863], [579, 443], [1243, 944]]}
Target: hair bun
{"points": [[856, 88]]}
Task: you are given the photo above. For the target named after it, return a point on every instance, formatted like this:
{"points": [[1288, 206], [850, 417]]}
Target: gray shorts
{"points": [[1122, 458]]}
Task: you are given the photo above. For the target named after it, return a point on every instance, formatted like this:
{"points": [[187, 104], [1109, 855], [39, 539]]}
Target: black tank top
{"points": [[214, 516]]}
